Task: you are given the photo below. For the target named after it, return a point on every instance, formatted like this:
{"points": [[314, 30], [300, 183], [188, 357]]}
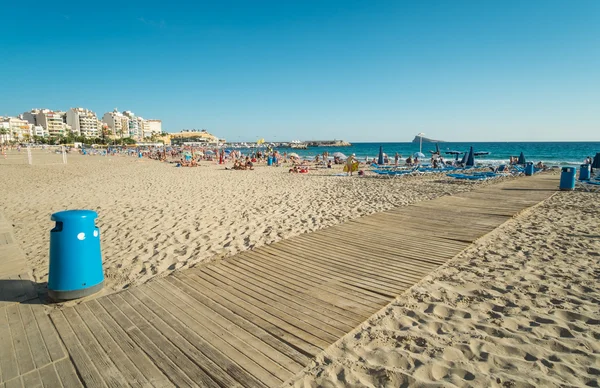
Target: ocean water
{"points": [[551, 153]]}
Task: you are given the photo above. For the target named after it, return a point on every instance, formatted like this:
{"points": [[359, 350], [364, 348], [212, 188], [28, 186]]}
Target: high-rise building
{"points": [[118, 124], [17, 128], [53, 122], [83, 122], [135, 125]]}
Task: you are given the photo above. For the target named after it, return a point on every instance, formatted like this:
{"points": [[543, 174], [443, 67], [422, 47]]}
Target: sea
{"points": [[550, 153]]}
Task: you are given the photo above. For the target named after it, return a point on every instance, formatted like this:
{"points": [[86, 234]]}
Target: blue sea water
{"points": [[551, 153]]}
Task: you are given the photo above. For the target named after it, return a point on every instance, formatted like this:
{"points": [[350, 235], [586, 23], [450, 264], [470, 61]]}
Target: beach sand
{"points": [[520, 308], [155, 218]]}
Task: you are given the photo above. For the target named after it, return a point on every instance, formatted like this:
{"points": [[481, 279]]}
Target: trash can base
{"points": [[561, 189], [59, 296]]}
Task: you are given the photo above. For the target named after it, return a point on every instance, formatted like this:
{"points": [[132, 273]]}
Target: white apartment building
{"points": [[38, 130], [136, 125], [117, 122], [83, 122], [17, 129], [53, 122], [154, 126]]}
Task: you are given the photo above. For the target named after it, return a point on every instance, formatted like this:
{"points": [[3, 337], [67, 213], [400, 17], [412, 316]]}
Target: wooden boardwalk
{"points": [[257, 318], [31, 352]]}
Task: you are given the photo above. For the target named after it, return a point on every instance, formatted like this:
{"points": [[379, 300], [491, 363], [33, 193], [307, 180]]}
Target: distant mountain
{"points": [[417, 139]]}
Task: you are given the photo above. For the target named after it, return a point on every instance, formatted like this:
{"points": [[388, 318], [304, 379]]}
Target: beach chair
{"points": [[588, 186]]}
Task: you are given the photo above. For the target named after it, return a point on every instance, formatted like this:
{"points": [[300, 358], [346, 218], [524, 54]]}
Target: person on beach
{"points": [[329, 164], [396, 157], [350, 163]]}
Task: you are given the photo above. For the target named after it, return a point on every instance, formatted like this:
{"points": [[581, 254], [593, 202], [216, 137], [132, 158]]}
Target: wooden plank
{"points": [[284, 317], [20, 344], [110, 373], [344, 272], [127, 345], [86, 368], [243, 340], [49, 376], [332, 301], [399, 269], [315, 278], [164, 355], [237, 320], [34, 336], [285, 255], [32, 380], [252, 314], [215, 342], [120, 360], [193, 362], [67, 373], [285, 288], [306, 315], [53, 344], [14, 383], [8, 361]]}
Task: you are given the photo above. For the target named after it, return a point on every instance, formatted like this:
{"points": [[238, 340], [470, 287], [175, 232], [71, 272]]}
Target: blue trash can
{"points": [[529, 169], [75, 256], [584, 172], [567, 178], [270, 161]]}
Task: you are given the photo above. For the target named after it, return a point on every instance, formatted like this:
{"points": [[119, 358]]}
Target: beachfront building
{"points": [[118, 123], [83, 122], [195, 137], [154, 126], [135, 125], [39, 131], [53, 122], [15, 129]]}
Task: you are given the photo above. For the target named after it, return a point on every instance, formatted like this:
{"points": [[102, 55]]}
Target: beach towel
{"points": [[354, 167]]}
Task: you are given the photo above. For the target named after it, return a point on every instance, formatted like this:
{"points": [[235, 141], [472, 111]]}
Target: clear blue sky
{"points": [[357, 70]]}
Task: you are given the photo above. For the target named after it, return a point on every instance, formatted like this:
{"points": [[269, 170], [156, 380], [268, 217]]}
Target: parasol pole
{"points": [[421, 141]]}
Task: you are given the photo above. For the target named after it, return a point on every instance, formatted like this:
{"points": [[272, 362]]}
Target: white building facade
{"points": [[83, 122], [53, 122], [118, 123]]}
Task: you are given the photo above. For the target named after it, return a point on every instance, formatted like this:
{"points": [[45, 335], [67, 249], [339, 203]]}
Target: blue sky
{"points": [[357, 70]]}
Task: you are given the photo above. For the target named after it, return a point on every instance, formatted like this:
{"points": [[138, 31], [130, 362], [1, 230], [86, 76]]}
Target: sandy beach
{"points": [[517, 309], [155, 218]]}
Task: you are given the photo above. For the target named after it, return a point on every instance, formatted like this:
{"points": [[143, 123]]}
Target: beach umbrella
{"points": [[479, 153], [464, 158], [293, 155], [521, 159], [419, 155], [596, 163], [470, 159], [339, 155], [380, 158], [209, 152]]}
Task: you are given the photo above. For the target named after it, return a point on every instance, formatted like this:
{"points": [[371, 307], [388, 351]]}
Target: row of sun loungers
{"points": [[592, 185]]}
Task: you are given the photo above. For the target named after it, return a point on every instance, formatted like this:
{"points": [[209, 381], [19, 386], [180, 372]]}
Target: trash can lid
{"points": [[73, 215]]}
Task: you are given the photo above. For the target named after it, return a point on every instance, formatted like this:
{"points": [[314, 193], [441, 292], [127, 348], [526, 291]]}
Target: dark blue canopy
{"points": [[521, 159], [596, 163], [380, 159], [470, 159]]}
